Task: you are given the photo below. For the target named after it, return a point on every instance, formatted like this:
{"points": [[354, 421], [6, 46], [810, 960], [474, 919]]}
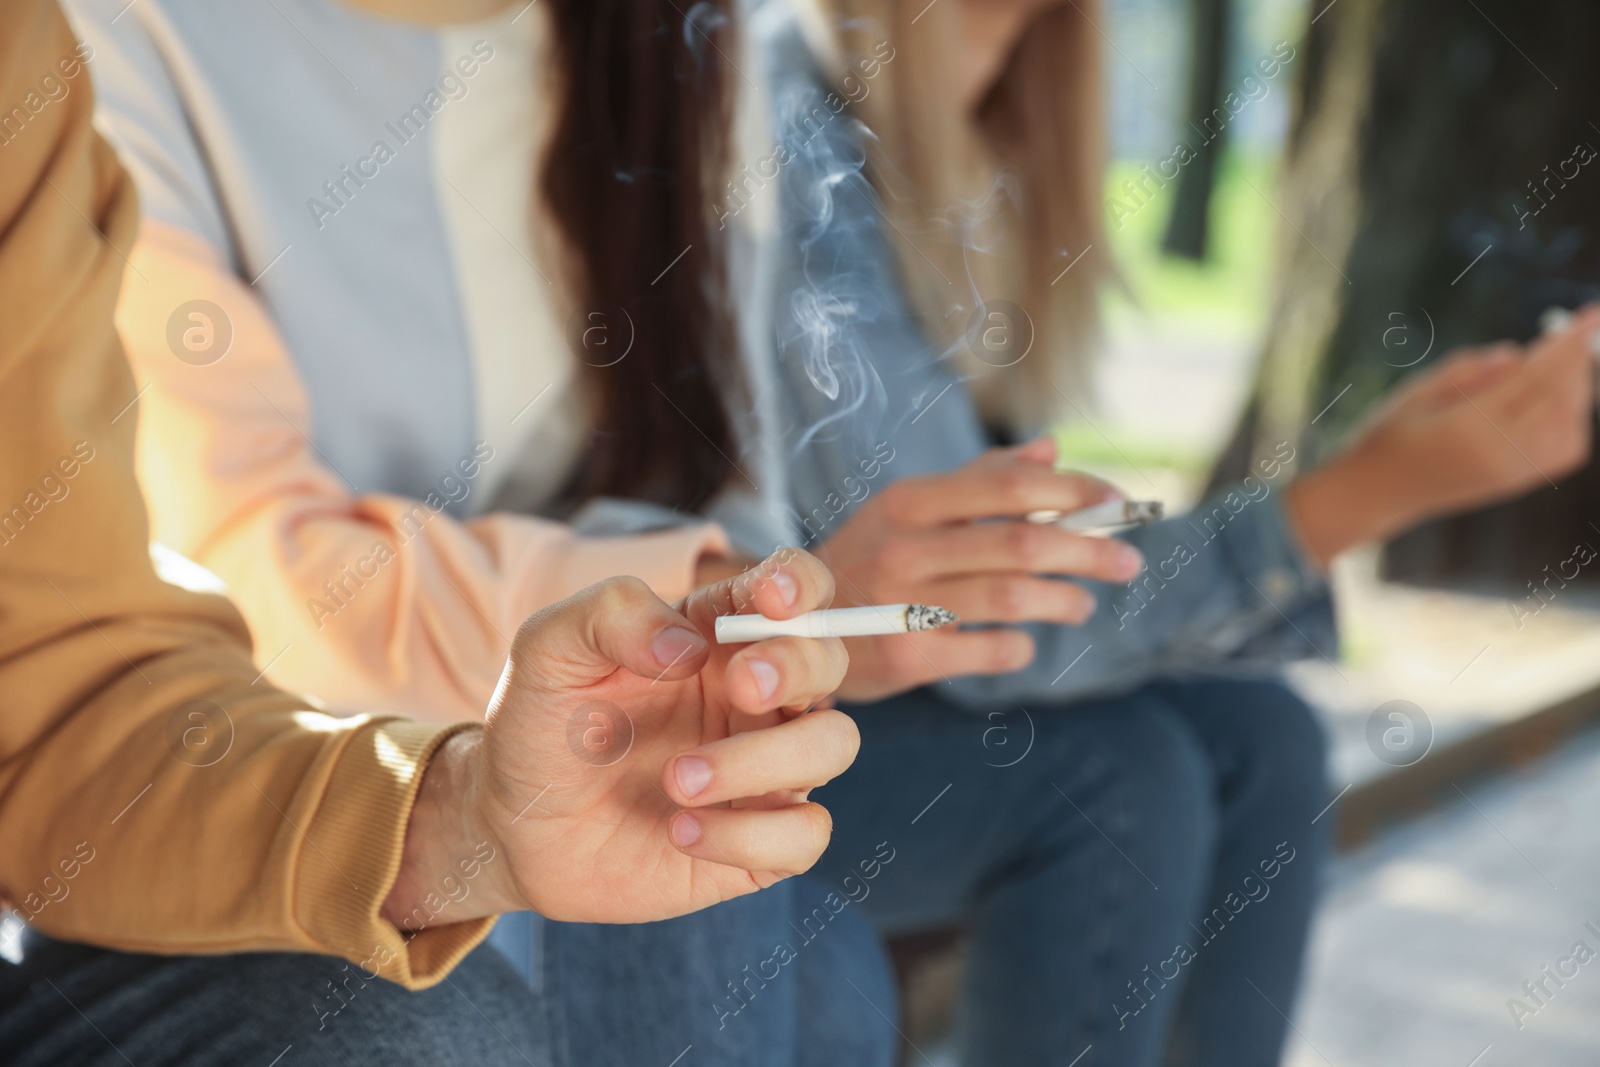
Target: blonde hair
{"points": [[995, 203]]}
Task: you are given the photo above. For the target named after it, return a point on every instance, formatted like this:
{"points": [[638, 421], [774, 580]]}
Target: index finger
{"points": [[787, 583], [991, 491], [800, 754]]}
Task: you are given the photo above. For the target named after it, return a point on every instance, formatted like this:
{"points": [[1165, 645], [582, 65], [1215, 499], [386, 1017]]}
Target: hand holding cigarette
{"points": [[629, 769], [1484, 425], [959, 540]]}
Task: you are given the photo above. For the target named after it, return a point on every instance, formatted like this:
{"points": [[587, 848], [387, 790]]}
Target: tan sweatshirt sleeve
{"points": [[154, 794]]}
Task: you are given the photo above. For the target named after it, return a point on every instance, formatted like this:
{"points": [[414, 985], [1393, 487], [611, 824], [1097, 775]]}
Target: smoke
{"points": [[838, 298], [851, 296], [701, 22]]}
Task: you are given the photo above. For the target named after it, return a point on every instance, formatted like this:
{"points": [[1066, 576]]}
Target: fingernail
{"points": [[787, 588], [1129, 560], [675, 643], [693, 774], [685, 829], [766, 676]]}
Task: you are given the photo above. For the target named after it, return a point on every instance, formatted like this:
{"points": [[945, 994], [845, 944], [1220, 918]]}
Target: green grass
{"points": [[1228, 290], [1086, 447], [1232, 285]]}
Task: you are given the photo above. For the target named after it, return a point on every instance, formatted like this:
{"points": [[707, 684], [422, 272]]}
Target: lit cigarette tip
{"points": [[1144, 511], [927, 617]]}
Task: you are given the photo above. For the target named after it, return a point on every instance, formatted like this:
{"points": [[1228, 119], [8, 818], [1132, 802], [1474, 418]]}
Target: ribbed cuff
{"points": [[352, 853]]}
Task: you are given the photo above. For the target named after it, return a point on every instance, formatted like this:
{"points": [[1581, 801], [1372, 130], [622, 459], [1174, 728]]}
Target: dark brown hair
{"points": [[640, 139]]}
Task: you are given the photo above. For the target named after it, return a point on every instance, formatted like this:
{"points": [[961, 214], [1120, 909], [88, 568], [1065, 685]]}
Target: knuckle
{"points": [[896, 501], [526, 639], [1027, 543], [622, 592], [1016, 485], [1010, 598]]}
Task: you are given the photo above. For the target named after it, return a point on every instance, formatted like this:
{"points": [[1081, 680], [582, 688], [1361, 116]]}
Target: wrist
{"points": [[1351, 500], [454, 866]]}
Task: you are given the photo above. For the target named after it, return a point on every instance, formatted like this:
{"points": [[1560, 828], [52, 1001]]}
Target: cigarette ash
{"points": [[1144, 511], [927, 617]]}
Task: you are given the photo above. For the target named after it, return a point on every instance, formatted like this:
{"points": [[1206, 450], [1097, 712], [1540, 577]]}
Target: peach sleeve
{"points": [[365, 601]]}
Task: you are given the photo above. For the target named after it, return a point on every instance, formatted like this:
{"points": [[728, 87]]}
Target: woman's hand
{"points": [[1486, 425], [632, 770], [958, 541]]}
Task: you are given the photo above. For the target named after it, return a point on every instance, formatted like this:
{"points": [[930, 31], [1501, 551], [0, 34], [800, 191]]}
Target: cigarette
{"points": [[838, 622], [1556, 319], [1103, 516]]}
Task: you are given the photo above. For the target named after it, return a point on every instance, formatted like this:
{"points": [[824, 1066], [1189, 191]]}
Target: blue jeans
{"points": [[602, 995], [1136, 874], [761, 981]]}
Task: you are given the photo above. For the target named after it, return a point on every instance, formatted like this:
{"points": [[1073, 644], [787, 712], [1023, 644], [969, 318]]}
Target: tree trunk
{"points": [[1189, 226]]}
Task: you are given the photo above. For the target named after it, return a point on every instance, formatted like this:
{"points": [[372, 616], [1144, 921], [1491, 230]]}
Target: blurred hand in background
{"points": [[1486, 425]]}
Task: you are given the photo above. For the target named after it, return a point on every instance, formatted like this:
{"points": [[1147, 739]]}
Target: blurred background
{"points": [[1383, 198]]}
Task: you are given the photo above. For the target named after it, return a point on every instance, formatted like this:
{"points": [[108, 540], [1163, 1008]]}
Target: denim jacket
{"points": [[867, 399]]}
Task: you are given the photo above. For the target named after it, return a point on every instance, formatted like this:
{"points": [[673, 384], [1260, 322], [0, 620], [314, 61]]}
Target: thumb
{"points": [[615, 624]]}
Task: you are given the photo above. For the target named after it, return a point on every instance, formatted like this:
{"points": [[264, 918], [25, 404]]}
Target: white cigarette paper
{"points": [[838, 622], [1102, 516], [1556, 319]]}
